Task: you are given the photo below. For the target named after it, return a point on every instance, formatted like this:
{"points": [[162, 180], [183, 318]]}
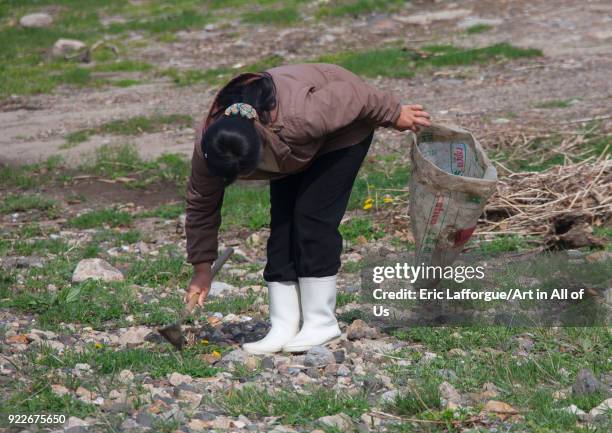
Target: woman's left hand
{"points": [[412, 117]]}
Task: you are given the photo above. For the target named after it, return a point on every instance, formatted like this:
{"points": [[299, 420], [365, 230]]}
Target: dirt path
{"points": [[575, 38]]}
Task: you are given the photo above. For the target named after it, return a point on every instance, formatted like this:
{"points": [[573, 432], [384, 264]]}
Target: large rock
{"points": [[236, 356], [35, 20], [360, 329], [341, 421], [134, 336], [319, 356], [218, 288], [602, 410], [449, 396], [586, 383], [64, 47], [96, 269]]}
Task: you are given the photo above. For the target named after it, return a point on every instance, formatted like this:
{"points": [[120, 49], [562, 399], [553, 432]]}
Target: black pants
{"points": [[306, 210]]}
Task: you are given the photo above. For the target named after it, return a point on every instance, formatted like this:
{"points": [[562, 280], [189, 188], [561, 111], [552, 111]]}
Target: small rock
{"points": [[36, 20], [489, 390], [177, 379], [471, 21], [96, 269], [425, 18], [59, 390], [134, 336], [360, 329], [22, 262], [449, 396], [63, 47], [389, 397], [237, 355], [254, 240], [575, 410], [428, 357], [319, 356], [267, 363], [599, 257], [499, 407], [217, 288], [73, 421], [341, 421], [126, 376], [608, 296], [602, 410], [339, 355], [457, 352], [586, 383]]}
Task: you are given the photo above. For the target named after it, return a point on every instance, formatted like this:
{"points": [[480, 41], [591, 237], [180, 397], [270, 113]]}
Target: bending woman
{"points": [[307, 128]]}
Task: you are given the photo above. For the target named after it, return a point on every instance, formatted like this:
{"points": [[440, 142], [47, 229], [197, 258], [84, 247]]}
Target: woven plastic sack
{"points": [[451, 181]]}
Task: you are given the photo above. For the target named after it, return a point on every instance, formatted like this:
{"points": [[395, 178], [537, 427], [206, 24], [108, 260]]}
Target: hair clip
{"points": [[242, 108]]}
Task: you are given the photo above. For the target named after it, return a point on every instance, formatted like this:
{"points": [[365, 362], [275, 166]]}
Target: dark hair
{"points": [[231, 143]]}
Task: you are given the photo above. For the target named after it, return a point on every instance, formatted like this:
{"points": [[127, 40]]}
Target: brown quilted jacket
{"points": [[320, 108]]}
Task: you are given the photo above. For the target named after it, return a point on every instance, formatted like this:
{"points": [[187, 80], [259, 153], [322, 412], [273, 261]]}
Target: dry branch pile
{"points": [[539, 203]]}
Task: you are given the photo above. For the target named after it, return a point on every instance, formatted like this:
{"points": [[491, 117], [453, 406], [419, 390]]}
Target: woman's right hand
{"points": [[200, 283]]}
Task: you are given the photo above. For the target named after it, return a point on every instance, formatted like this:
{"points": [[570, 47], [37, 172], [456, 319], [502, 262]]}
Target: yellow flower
{"points": [[204, 342], [387, 198], [367, 204], [99, 345], [216, 354]]}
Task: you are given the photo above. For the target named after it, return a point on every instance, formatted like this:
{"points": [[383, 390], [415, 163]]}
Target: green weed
{"points": [[26, 202], [283, 16], [133, 126], [356, 7], [555, 103], [100, 218], [290, 407], [478, 28]]}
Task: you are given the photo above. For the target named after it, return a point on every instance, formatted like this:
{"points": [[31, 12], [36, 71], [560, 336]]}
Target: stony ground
{"points": [[111, 207]]}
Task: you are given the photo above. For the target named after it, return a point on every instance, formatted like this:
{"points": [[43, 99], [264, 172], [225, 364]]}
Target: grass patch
{"points": [[478, 28], [360, 226], [100, 218], [502, 244], [375, 177], [339, 8], [26, 202], [133, 126], [401, 63], [166, 211], [246, 206], [555, 103], [154, 362], [283, 16], [291, 408]]}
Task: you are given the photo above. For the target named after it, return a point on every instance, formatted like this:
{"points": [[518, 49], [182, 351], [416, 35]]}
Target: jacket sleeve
{"points": [[203, 212], [319, 111]]}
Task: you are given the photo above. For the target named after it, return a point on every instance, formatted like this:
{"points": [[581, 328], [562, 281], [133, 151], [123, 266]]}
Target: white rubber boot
{"points": [[318, 296], [284, 317]]}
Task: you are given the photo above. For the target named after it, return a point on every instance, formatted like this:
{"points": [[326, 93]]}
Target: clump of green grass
{"points": [[283, 16], [401, 63], [100, 218], [246, 206], [503, 244], [291, 408], [29, 175], [169, 23], [166, 211], [356, 7], [132, 126], [26, 202], [555, 103], [478, 28], [360, 226], [157, 363]]}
